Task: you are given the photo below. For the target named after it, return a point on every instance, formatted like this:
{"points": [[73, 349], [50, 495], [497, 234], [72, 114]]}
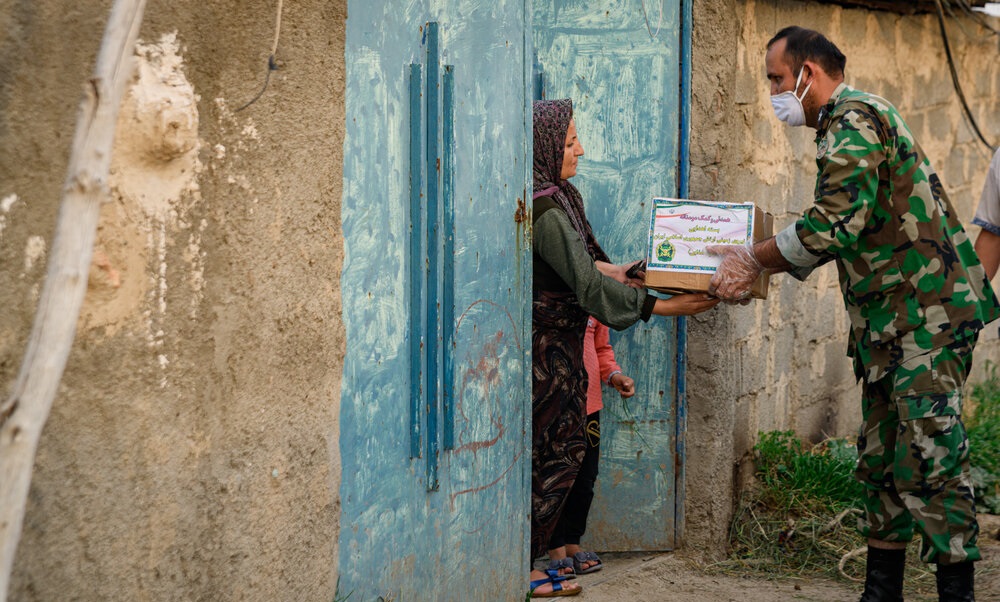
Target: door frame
{"points": [[682, 174], [683, 182]]}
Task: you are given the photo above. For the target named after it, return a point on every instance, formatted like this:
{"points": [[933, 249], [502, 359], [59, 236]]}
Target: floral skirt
{"points": [[559, 408]]}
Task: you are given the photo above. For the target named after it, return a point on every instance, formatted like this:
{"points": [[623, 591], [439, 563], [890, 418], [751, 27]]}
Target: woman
{"points": [[599, 359], [573, 278]]}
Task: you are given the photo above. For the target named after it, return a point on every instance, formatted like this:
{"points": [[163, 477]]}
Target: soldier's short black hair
{"points": [[803, 44]]}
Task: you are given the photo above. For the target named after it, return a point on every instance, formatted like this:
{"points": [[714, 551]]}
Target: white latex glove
{"points": [[736, 274]]}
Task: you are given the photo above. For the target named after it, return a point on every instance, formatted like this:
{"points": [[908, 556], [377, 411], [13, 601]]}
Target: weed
{"points": [[797, 480], [793, 521], [981, 415], [338, 598], [799, 519], [796, 522]]}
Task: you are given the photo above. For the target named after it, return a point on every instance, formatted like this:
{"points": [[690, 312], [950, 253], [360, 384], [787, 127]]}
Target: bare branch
{"points": [[24, 413]]}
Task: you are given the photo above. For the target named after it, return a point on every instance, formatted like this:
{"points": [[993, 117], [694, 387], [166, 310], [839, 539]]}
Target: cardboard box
{"points": [[679, 232]]}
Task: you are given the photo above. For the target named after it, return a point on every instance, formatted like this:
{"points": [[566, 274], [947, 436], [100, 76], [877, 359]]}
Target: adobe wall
{"points": [[780, 363], [191, 453]]}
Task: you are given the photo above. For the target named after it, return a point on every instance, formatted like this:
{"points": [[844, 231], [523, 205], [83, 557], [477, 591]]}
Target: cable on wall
{"points": [[978, 18], [659, 21], [272, 65], [954, 77]]}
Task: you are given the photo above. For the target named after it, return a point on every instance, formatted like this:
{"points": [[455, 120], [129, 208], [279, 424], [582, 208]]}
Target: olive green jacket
{"points": [[908, 272], [562, 264]]}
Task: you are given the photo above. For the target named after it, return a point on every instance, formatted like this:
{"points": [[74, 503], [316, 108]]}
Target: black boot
{"points": [[955, 582], [884, 575]]}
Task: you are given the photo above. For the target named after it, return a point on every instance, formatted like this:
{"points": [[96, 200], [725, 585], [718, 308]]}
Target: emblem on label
{"points": [[665, 251]]}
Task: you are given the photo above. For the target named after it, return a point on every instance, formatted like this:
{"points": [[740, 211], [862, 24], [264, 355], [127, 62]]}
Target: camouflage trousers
{"points": [[913, 456]]}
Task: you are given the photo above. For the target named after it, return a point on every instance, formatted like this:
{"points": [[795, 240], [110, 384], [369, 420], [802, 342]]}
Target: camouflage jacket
{"points": [[909, 275]]}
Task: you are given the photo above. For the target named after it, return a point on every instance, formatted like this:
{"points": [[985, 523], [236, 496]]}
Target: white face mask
{"points": [[788, 106]]}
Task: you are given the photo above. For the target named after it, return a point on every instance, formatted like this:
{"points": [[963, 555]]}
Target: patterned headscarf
{"points": [[551, 122]]}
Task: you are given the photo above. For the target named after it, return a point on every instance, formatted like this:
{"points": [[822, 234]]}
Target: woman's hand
{"points": [[619, 273], [623, 384], [608, 269], [635, 272], [685, 305]]}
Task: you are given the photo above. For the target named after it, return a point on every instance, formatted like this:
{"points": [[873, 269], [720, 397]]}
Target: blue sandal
{"points": [[553, 577], [580, 558], [565, 566]]}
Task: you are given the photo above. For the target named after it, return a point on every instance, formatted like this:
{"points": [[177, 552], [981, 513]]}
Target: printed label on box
{"points": [[682, 229]]}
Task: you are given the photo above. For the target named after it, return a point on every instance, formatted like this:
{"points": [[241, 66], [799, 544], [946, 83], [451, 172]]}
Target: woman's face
{"points": [[571, 151]]}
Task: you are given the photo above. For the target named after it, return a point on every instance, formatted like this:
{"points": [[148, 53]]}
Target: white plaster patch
{"points": [[155, 170], [161, 274], [196, 259], [34, 250], [248, 135], [156, 148], [164, 362], [5, 204], [250, 131]]}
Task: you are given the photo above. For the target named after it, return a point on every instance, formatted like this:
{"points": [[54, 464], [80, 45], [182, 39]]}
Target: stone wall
{"points": [[780, 363], [191, 453]]}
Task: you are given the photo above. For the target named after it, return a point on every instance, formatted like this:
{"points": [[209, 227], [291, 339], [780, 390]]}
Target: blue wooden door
{"points": [[619, 62], [434, 424]]}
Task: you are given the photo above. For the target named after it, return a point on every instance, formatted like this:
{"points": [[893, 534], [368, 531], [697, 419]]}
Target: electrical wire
{"points": [[272, 64], [948, 7], [659, 21], [978, 18], [967, 10], [954, 77]]}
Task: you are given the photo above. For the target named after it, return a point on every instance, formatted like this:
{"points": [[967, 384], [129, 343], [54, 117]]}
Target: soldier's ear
{"points": [[808, 71]]}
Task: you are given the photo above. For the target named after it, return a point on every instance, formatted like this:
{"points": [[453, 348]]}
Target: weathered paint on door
{"points": [[619, 62], [434, 428]]}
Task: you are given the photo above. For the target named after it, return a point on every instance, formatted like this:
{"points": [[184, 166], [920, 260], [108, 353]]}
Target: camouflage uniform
{"points": [[917, 297]]}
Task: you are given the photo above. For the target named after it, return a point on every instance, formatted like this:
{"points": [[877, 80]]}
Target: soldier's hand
{"points": [[736, 274]]}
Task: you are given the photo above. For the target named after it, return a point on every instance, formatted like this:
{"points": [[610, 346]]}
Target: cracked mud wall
{"points": [[191, 453], [781, 364]]}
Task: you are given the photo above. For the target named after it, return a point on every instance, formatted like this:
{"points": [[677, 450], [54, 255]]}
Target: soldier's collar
{"points": [[827, 109]]}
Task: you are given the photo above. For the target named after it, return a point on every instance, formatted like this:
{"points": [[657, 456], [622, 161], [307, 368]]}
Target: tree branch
{"points": [[27, 408]]}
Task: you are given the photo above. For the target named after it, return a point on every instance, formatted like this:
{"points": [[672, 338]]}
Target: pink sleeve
{"points": [[605, 354]]}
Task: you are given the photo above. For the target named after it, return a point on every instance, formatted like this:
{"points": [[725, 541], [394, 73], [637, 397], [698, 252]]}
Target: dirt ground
{"points": [[672, 577]]}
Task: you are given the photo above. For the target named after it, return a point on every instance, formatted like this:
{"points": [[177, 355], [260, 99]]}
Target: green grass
{"points": [[981, 415], [800, 480], [799, 520]]}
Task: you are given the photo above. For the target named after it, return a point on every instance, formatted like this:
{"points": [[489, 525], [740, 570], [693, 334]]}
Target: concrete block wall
{"points": [[781, 363]]}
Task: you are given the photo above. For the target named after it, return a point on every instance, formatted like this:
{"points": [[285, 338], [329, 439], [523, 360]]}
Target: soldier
{"points": [[917, 297]]}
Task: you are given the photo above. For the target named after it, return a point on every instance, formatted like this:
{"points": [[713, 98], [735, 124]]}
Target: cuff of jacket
{"points": [[647, 307], [793, 250]]}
